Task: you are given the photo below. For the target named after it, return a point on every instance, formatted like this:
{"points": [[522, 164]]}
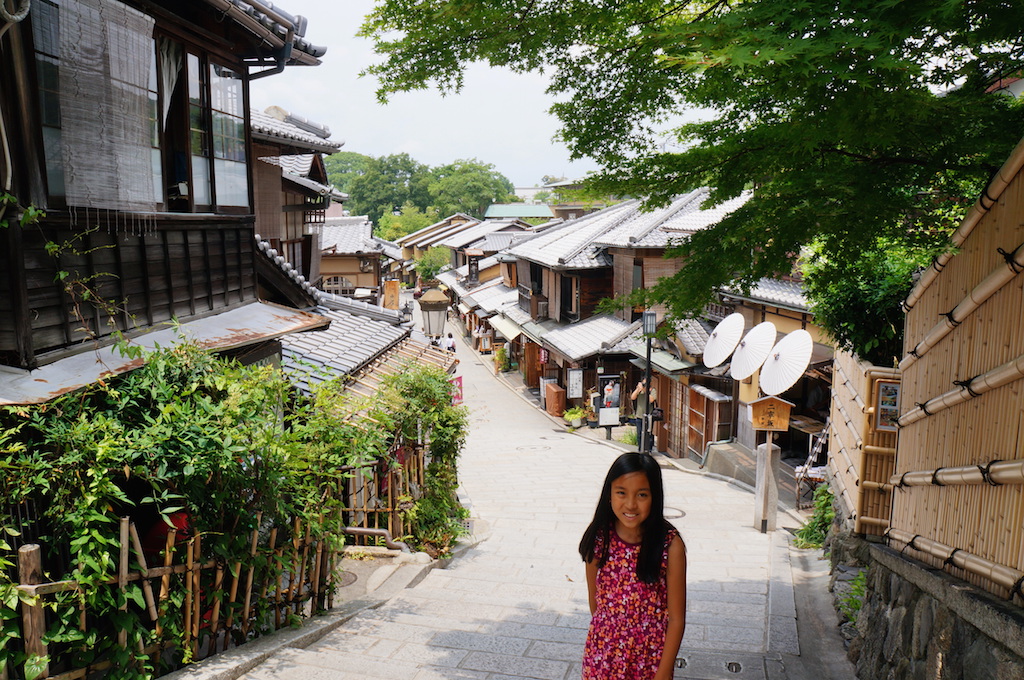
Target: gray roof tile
{"points": [[597, 335]]}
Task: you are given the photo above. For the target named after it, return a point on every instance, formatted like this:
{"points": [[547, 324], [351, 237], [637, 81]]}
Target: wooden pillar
{"points": [[30, 573]]}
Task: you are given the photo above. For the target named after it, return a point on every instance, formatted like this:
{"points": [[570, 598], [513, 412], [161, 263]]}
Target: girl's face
{"points": [[631, 502]]}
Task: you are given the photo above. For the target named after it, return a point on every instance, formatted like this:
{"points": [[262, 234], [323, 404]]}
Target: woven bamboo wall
{"points": [[980, 519]]}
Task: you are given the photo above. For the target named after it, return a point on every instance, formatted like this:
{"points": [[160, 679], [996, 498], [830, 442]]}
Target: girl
{"points": [[636, 575]]}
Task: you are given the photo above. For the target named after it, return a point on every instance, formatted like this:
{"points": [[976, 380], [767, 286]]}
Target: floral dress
{"points": [[627, 633]]}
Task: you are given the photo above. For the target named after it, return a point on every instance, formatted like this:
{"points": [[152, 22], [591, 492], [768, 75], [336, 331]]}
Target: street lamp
{"points": [[650, 327], [434, 310]]}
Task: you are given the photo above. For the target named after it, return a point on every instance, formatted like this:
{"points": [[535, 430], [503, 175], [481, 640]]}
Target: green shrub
{"points": [[851, 603], [813, 533]]}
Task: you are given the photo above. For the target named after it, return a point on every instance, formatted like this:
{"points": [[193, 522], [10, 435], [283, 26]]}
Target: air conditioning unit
{"points": [[542, 310]]}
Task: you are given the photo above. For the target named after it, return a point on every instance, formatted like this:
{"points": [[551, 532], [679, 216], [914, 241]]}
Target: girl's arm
{"points": [[592, 584], [676, 608]]}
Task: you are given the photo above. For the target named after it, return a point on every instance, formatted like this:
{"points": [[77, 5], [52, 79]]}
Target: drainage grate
{"points": [[347, 579], [733, 667]]}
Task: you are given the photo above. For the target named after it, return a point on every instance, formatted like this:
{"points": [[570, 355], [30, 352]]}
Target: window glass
{"points": [[226, 95], [198, 133], [46, 37], [156, 159]]}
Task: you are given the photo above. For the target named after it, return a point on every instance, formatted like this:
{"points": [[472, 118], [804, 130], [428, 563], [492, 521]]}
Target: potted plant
{"points": [[591, 415], [575, 415]]}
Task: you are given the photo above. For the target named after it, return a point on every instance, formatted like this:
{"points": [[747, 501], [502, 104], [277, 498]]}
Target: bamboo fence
{"points": [[287, 573], [862, 457], [959, 478]]}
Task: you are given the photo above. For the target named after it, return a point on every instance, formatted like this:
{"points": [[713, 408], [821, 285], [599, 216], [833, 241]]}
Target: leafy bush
{"points": [[814, 531], [851, 603]]}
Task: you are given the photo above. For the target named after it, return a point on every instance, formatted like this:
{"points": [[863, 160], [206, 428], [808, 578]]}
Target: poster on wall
{"points": [[887, 405], [609, 395], [456, 390], [574, 390]]}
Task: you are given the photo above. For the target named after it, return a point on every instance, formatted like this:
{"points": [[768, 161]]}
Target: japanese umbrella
{"points": [[786, 362], [723, 340], [752, 351]]}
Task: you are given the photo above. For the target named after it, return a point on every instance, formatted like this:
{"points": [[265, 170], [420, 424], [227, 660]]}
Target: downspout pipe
{"points": [[281, 57], [378, 533]]}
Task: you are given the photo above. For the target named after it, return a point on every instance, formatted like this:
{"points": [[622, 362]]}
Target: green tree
{"points": [[430, 264], [411, 219], [848, 121], [343, 167], [859, 302], [468, 186], [388, 183]]}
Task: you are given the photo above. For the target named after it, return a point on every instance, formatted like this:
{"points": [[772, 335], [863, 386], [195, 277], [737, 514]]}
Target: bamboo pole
{"points": [[249, 575], [998, 472], [186, 616], [1001, 575], [165, 579], [122, 577], [302, 569], [33, 618], [197, 593], [147, 589], [218, 582], [990, 380], [271, 553]]}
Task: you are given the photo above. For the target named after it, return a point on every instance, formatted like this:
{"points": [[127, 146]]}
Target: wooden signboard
{"points": [[771, 414], [391, 294]]}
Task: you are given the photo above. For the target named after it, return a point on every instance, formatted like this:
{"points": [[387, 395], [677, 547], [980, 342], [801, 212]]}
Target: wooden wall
{"points": [[185, 266], [980, 519]]}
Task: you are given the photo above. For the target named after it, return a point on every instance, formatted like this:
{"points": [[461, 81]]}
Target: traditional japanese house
{"points": [[127, 124], [350, 259], [292, 192]]}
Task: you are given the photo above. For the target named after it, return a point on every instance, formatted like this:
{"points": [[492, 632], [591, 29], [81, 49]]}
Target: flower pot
{"points": [[576, 422]]}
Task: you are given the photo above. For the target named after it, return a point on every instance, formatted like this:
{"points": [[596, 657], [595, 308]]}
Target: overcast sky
{"points": [[500, 118]]}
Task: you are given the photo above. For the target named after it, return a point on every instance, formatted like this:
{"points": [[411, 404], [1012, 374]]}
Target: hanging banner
{"points": [[457, 392]]}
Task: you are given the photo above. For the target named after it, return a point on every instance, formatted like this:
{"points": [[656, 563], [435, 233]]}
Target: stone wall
{"points": [[920, 623]]}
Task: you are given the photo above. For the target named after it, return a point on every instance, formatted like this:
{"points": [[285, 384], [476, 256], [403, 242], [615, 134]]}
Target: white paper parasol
{"points": [[723, 339], [752, 350], [786, 362]]}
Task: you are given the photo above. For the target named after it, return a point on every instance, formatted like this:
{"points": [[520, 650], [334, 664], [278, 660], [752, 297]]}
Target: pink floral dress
{"points": [[627, 633]]}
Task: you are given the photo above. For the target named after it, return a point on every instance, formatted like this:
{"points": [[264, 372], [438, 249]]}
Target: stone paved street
{"points": [[515, 605]]}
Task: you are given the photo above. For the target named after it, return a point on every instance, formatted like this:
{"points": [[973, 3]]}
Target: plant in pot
{"points": [[590, 415], [575, 415]]}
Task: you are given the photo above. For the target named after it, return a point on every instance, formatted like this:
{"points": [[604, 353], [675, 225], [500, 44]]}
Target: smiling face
{"points": [[631, 503]]}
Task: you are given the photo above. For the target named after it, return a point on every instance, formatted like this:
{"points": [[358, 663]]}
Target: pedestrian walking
{"points": [[636, 576], [449, 344]]}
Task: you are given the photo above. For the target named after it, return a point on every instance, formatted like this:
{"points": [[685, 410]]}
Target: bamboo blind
{"points": [[983, 520]]}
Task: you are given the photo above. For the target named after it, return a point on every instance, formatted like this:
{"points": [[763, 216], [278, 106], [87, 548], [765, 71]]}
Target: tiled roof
{"points": [[473, 295], [571, 245], [788, 294], [435, 238], [693, 334], [525, 210], [351, 342], [388, 248], [272, 26], [268, 128], [501, 240], [409, 239], [515, 313], [477, 232], [494, 298], [682, 217], [597, 335], [285, 266], [348, 239], [298, 164], [359, 308]]}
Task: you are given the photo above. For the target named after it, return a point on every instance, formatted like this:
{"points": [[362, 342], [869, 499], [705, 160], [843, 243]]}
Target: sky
{"points": [[499, 118]]}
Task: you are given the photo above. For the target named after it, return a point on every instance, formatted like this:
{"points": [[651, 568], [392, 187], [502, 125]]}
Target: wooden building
{"points": [[138, 151]]}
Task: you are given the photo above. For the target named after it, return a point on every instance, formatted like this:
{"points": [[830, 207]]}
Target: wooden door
{"points": [[697, 424], [531, 365]]}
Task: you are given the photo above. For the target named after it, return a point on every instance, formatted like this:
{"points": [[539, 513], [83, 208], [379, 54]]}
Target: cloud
{"points": [[499, 118]]}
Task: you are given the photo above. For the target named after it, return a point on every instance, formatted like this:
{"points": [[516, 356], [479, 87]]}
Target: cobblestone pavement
{"points": [[515, 604]]}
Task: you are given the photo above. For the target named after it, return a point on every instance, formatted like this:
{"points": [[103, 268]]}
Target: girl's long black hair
{"points": [[655, 527]]}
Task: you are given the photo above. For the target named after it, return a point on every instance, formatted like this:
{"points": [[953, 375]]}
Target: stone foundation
{"points": [[920, 623]]}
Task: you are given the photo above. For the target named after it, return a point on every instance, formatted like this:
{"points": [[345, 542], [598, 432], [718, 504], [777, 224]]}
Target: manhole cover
{"points": [[347, 579], [673, 513], [533, 447]]}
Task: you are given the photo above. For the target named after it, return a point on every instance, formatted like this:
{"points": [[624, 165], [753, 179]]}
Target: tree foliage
{"points": [[468, 186], [430, 264], [847, 120], [345, 166], [410, 219], [387, 184]]}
